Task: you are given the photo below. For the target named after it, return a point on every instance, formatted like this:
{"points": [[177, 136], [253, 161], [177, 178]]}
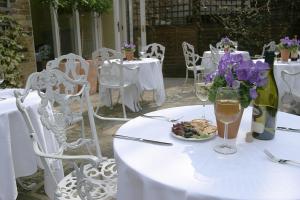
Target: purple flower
{"points": [[253, 93]]}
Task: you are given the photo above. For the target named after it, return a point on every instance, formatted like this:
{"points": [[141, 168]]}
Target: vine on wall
{"points": [[10, 51], [98, 6]]}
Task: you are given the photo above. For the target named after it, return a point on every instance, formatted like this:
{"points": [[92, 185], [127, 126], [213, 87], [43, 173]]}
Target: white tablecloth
{"points": [[16, 152], [292, 67], [150, 77], [207, 62], [193, 170]]}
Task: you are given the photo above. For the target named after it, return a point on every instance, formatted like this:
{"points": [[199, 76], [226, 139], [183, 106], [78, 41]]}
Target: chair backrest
{"points": [[271, 47], [215, 56], [291, 99], [154, 50], [110, 66], [189, 55]]}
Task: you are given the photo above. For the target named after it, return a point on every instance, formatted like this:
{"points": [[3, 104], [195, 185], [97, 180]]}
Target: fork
{"points": [[159, 117], [279, 160]]}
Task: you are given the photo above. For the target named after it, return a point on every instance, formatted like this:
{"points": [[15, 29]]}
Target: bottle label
{"points": [[263, 122]]}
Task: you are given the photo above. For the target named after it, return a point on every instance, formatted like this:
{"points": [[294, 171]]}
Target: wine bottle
{"points": [[265, 105]]}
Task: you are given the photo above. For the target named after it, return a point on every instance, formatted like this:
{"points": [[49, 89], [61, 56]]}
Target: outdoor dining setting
{"points": [[145, 99]]}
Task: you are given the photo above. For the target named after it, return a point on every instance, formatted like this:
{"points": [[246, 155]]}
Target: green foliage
{"points": [[10, 51], [98, 6]]}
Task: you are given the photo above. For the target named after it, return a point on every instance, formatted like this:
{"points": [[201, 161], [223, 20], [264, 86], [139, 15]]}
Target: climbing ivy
{"points": [[10, 51]]}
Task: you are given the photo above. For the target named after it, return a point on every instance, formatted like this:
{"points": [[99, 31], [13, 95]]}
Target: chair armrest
{"points": [[89, 158], [197, 57]]}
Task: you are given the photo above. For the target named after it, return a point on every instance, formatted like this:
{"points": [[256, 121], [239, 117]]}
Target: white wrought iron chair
{"points": [[75, 67], [290, 101], [154, 50], [94, 177], [233, 45], [271, 46], [111, 76], [215, 56], [191, 59]]}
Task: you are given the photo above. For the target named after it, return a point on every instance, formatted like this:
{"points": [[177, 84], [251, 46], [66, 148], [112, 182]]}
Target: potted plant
{"points": [[285, 46], [244, 75], [129, 49], [226, 44]]}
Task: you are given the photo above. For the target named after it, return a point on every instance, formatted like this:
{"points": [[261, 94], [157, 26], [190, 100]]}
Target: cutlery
{"points": [[159, 117], [279, 160], [141, 139], [288, 129]]}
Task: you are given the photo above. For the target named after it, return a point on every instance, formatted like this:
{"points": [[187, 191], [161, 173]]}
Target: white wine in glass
{"points": [[202, 87], [227, 110]]}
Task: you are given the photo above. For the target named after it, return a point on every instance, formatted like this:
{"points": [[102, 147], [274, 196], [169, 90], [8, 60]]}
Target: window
{"points": [[4, 3]]}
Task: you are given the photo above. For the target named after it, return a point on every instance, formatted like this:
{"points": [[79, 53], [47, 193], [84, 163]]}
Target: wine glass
{"points": [[1, 76], [202, 87], [227, 110]]}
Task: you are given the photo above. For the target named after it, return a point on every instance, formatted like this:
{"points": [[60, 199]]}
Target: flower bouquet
{"points": [[226, 44], [129, 49], [240, 74]]}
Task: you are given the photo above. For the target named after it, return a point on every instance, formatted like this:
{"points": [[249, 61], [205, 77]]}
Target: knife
{"points": [[288, 129], [141, 140]]}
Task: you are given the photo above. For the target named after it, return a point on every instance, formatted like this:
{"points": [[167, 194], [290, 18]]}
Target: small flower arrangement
{"points": [[237, 73], [129, 47], [290, 44]]}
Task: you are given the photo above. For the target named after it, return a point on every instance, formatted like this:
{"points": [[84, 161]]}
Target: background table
{"points": [[207, 62], [292, 67], [150, 77], [16, 152], [193, 170]]}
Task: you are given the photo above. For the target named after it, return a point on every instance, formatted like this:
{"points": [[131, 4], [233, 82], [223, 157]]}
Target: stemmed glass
{"points": [[202, 87], [1, 76], [227, 110]]}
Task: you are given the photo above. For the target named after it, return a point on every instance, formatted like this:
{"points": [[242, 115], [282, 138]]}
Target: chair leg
{"points": [[123, 105], [186, 75], [110, 98]]}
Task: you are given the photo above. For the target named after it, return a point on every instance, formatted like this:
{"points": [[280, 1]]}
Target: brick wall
{"points": [[20, 10]]}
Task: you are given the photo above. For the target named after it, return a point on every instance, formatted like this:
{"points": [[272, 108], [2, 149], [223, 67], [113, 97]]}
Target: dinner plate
{"points": [[194, 139]]}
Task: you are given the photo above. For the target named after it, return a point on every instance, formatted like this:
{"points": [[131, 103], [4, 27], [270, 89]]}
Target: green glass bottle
{"points": [[266, 105]]}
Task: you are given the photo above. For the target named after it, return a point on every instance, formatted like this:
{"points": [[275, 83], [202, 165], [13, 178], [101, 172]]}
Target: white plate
{"points": [[194, 139]]}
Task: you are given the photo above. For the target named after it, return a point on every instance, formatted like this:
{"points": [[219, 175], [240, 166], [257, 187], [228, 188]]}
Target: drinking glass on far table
{"points": [[227, 110], [202, 87], [1, 76]]}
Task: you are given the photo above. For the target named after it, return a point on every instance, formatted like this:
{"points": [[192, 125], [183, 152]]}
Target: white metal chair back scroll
{"points": [[154, 50], [111, 76], [94, 177], [76, 68], [215, 56], [290, 101], [271, 47], [191, 59]]}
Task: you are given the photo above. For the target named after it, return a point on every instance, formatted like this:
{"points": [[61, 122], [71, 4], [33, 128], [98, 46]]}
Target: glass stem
{"points": [[225, 133], [203, 115]]}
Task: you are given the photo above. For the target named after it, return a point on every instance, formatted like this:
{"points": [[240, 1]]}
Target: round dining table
{"points": [[149, 77], [192, 170], [207, 61], [17, 156]]}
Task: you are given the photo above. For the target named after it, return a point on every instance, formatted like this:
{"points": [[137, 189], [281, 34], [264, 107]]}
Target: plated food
{"points": [[197, 129]]}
